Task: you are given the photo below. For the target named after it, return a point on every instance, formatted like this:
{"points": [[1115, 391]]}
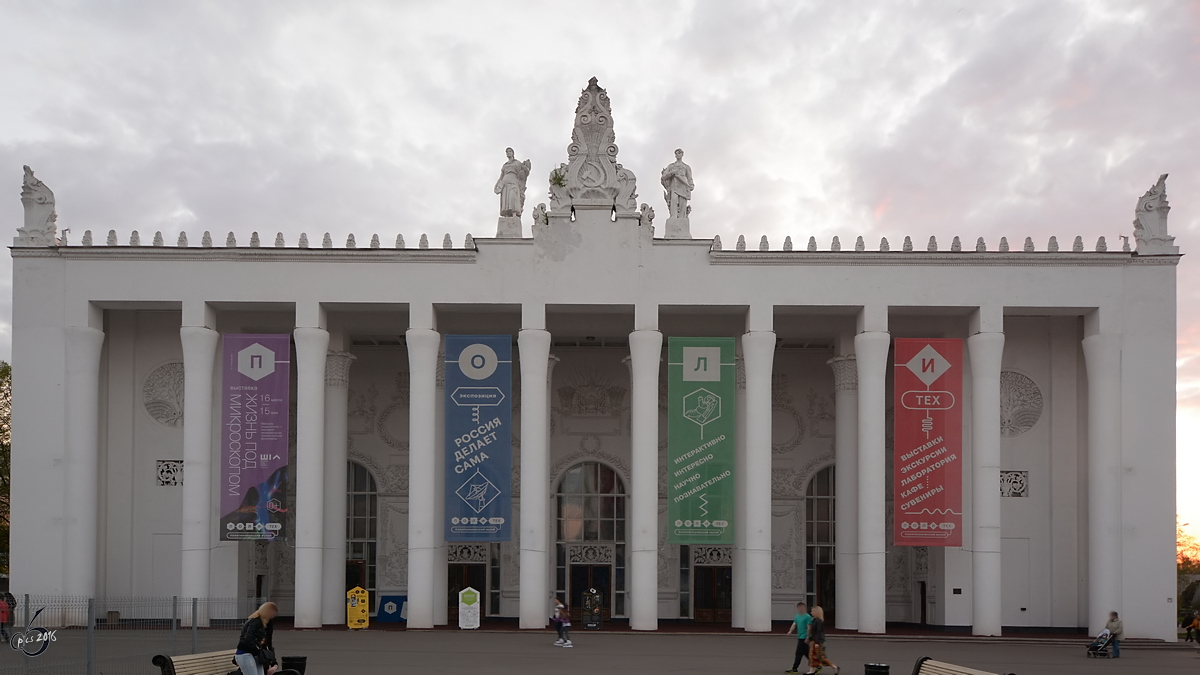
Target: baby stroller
{"points": [[1100, 646]]}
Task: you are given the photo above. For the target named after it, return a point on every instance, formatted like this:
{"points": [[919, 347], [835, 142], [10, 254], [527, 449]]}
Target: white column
{"points": [[311, 347], [423, 530], [845, 386], [82, 435], [739, 498], [534, 603], [986, 352], [759, 352], [441, 569], [1102, 356], [337, 403], [871, 352], [645, 348], [199, 362]]}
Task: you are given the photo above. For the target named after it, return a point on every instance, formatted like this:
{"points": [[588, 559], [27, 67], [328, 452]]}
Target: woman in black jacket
{"points": [[256, 636]]}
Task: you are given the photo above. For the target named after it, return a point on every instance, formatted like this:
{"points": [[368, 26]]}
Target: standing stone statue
{"points": [[677, 185], [511, 188]]}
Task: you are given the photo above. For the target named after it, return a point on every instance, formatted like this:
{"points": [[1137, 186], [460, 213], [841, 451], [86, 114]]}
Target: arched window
{"points": [[591, 536], [362, 516], [820, 544]]}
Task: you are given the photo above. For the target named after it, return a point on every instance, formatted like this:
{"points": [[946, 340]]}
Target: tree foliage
{"points": [[1187, 551]]}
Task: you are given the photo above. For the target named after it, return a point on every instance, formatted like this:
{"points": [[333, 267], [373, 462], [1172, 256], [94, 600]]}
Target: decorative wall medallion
{"points": [[590, 553], [1014, 483], [162, 394], [362, 409], [170, 471], [820, 419], [787, 424], [467, 553], [1021, 404], [393, 420], [712, 555], [591, 393]]}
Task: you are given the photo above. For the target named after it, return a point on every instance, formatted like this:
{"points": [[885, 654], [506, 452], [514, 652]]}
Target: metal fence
{"points": [[115, 636]]}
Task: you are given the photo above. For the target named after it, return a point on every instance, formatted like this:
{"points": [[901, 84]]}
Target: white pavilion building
{"points": [[1068, 443]]}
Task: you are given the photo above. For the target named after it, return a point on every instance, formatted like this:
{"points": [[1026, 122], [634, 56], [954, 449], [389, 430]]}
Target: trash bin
{"points": [[296, 663], [877, 669]]}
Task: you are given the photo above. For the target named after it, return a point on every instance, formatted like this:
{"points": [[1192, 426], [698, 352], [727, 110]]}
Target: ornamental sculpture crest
{"points": [[591, 176], [40, 218], [1150, 221]]}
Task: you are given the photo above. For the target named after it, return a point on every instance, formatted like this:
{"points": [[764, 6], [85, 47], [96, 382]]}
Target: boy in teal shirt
{"points": [[800, 626]]}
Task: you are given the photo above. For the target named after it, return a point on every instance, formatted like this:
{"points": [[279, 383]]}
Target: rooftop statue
{"points": [[1150, 222], [511, 188], [591, 176], [677, 190], [40, 218]]}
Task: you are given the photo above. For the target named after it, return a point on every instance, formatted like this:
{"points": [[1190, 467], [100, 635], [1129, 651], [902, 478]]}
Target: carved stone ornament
{"points": [[467, 553], [337, 369], [591, 176], [169, 471], [1150, 222], [845, 373], [40, 217], [1021, 404], [712, 555], [162, 394], [590, 553], [1014, 483]]}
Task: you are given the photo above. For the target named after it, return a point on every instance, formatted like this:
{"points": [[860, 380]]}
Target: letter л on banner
{"points": [[255, 397], [478, 438], [928, 442], [701, 411]]}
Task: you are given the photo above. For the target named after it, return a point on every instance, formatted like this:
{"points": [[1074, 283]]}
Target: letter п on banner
{"points": [[927, 478], [478, 437], [701, 414], [255, 397]]}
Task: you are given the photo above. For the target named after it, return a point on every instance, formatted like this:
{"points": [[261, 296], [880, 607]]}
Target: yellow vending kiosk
{"points": [[358, 608]]}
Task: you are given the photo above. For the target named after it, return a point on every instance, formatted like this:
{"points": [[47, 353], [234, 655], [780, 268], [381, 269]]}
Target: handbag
{"points": [[266, 657]]}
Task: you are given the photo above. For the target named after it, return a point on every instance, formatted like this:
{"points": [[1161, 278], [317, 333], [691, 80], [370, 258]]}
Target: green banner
{"points": [[702, 409]]}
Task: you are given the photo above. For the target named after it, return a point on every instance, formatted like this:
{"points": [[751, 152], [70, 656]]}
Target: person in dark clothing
{"points": [[800, 625], [816, 644], [256, 636]]}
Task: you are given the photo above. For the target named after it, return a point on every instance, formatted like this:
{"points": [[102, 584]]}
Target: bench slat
{"points": [[208, 663], [942, 668]]}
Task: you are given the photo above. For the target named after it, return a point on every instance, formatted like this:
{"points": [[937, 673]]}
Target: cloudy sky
{"points": [[844, 118]]}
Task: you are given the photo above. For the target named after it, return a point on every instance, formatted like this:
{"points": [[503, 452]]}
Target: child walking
{"points": [[562, 623]]}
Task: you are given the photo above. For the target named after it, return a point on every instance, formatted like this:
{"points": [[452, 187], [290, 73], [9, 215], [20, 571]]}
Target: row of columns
{"points": [[320, 476]]}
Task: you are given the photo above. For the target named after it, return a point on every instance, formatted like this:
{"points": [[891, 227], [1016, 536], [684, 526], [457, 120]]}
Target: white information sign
{"points": [[468, 608]]}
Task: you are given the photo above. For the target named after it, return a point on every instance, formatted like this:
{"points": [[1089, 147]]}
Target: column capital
{"points": [[845, 373], [337, 369]]}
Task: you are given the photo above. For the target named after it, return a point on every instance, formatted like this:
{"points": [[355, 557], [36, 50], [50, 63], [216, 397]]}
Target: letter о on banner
{"points": [[478, 438]]}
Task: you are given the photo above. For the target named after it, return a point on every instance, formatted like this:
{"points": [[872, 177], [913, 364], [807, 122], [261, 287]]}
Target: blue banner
{"points": [[478, 438]]}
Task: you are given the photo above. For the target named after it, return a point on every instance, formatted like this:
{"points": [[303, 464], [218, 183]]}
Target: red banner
{"points": [[927, 478]]}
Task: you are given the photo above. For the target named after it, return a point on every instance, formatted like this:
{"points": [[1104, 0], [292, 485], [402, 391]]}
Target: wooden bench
{"points": [[927, 666], [208, 663]]}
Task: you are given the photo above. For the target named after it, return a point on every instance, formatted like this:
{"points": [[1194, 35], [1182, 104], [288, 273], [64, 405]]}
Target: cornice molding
{"points": [[947, 259], [368, 255]]}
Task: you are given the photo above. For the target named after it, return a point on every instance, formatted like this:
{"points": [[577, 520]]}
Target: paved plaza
{"points": [[503, 653]]}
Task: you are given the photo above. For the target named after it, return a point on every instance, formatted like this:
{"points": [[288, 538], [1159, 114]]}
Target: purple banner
{"points": [[255, 387]]}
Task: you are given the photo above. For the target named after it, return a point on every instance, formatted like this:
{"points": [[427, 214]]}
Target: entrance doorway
{"points": [[585, 578], [590, 547], [466, 575], [714, 594]]}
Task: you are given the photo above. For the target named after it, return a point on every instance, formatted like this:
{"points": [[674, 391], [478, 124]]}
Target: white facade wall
{"points": [[596, 278]]}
